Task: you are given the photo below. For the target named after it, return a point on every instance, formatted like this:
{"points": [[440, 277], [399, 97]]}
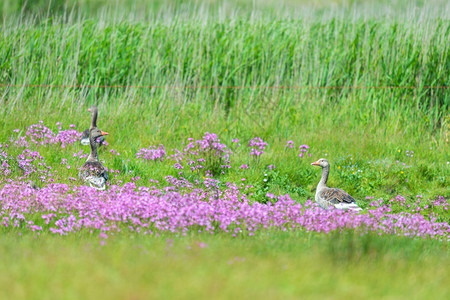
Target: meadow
{"points": [[215, 111]]}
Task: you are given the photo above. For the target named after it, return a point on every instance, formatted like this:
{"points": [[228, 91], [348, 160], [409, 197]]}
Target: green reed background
{"points": [[327, 61]]}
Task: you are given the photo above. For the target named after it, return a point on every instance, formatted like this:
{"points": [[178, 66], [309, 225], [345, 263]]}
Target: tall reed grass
{"points": [[371, 64]]}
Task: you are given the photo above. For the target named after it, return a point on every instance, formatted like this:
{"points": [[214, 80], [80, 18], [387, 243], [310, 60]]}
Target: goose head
{"points": [[95, 133], [321, 163]]}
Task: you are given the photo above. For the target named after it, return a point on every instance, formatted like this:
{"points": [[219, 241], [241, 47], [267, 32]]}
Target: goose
{"points": [[84, 140], [327, 197], [93, 171]]}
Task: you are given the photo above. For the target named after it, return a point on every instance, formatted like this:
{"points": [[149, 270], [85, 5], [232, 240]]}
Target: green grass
{"points": [[272, 265], [373, 150]]}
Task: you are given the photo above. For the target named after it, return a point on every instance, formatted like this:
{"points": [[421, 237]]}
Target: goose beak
{"points": [[316, 163], [104, 133]]}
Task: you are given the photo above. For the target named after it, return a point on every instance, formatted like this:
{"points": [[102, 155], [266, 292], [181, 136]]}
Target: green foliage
{"points": [[204, 266]]}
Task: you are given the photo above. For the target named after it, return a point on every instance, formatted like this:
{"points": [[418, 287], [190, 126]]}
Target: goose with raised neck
{"points": [[92, 171], [332, 197]]}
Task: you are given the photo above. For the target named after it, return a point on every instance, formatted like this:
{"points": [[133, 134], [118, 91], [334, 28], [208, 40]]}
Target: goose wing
{"points": [[335, 196], [339, 199]]}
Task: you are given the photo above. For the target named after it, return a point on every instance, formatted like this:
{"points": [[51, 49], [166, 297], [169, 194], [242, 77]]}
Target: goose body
{"points": [[92, 171], [327, 197]]}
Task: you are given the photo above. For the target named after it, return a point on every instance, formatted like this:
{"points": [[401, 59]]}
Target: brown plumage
{"points": [[326, 196], [93, 171], [336, 196]]}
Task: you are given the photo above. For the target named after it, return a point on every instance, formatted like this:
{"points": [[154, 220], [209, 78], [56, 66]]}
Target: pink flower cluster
{"points": [[27, 162], [152, 153], [304, 150], [211, 142], [5, 160], [208, 154], [257, 146], [289, 144], [40, 134], [63, 209]]}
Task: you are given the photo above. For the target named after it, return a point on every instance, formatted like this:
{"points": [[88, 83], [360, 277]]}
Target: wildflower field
{"points": [[215, 111]]}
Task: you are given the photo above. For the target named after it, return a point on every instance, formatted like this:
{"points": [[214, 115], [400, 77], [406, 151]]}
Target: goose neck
{"points": [[324, 178], [94, 117], [93, 155]]}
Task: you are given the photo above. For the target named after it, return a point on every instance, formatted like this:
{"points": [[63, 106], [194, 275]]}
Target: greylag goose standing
{"points": [[326, 196], [84, 140], [93, 171]]}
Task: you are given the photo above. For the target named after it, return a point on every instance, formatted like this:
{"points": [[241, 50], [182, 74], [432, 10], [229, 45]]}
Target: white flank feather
{"points": [[348, 206]]}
